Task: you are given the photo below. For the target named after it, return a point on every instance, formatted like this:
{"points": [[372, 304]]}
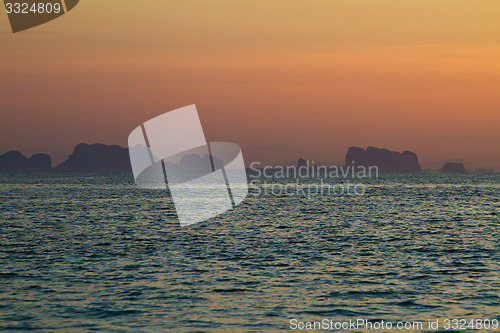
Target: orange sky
{"points": [[317, 76]]}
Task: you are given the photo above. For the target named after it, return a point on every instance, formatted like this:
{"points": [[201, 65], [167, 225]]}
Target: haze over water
{"points": [[93, 252]]}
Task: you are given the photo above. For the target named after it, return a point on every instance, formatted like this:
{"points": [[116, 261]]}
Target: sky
{"points": [[281, 78]]}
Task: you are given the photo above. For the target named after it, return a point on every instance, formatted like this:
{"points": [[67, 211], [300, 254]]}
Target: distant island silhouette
{"points": [[113, 158], [96, 158], [14, 161], [453, 167], [85, 158], [385, 160]]}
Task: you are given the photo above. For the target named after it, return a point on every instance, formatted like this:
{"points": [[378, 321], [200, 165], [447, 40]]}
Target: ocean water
{"points": [[91, 252]]}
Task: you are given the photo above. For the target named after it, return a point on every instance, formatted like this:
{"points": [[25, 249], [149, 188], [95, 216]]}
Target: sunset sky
{"points": [[309, 77]]}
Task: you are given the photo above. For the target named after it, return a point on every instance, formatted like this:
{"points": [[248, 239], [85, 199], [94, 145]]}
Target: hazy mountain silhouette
{"points": [[437, 165], [301, 163], [112, 158], [96, 158], [385, 160], [14, 161], [453, 167]]}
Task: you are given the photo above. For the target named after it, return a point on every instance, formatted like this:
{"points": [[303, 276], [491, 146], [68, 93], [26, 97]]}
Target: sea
{"points": [[94, 253]]}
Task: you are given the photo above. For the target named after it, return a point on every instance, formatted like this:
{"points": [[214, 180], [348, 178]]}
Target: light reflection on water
{"points": [[93, 252]]}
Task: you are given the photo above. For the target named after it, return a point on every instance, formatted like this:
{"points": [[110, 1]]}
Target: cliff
{"points": [[385, 160]]}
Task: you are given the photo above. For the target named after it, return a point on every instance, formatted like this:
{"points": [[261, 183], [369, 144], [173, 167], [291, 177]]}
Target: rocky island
{"points": [[384, 159]]}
